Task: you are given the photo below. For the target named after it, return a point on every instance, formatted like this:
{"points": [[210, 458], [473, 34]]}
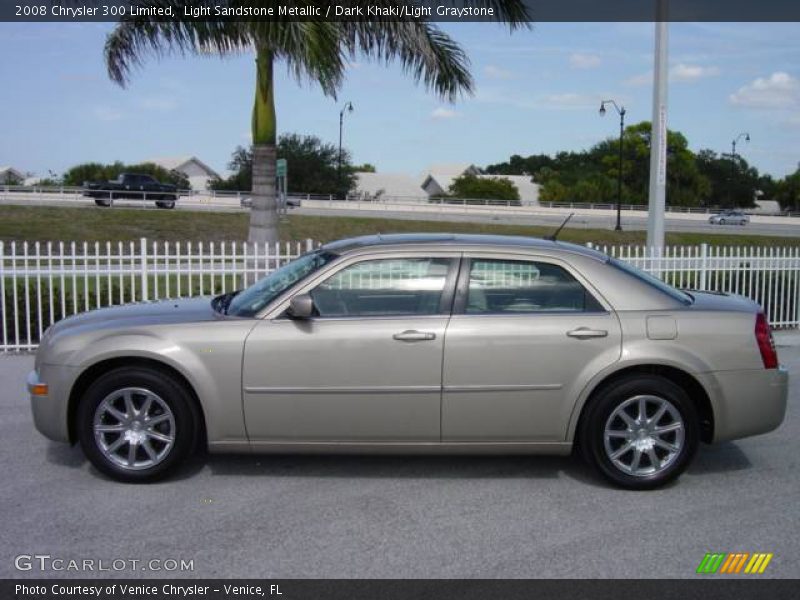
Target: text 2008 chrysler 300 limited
{"points": [[433, 343]]}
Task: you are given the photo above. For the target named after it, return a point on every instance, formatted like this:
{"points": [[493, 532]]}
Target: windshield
{"points": [[250, 301], [650, 280]]}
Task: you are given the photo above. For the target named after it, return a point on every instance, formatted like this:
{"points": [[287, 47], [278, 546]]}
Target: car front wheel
{"points": [[136, 424], [641, 432]]}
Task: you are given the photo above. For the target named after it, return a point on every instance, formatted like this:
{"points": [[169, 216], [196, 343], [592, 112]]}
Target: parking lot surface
{"points": [[394, 517]]}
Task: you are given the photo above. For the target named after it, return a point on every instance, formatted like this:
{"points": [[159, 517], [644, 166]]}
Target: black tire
{"points": [[104, 202], [592, 439], [165, 204], [184, 426]]}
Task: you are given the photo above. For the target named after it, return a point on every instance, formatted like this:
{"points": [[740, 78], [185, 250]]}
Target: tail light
{"points": [[766, 345]]}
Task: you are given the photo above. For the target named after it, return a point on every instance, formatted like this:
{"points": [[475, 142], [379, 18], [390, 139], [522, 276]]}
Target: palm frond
{"points": [[310, 49], [515, 13], [136, 37], [424, 51]]}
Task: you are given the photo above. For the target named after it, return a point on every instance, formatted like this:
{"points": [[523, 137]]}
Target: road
{"points": [[397, 517], [583, 219]]}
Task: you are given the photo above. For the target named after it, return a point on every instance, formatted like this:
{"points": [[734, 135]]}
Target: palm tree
{"points": [[316, 50]]}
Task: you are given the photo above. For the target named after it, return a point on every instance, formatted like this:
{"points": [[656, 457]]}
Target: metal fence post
{"points": [[143, 262], [703, 265]]}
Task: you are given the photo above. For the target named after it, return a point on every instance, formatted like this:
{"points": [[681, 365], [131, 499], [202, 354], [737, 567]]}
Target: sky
{"points": [[537, 91]]}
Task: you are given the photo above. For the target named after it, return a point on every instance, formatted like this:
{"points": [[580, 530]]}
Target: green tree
{"points": [[313, 50], [365, 168], [472, 187], [313, 167], [78, 174], [787, 191], [241, 168], [731, 182], [519, 165], [591, 176]]}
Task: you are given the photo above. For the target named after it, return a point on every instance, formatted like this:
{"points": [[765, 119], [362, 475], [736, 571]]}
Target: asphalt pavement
{"points": [[389, 517]]}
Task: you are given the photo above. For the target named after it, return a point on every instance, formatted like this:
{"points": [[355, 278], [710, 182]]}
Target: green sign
{"points": [[281, 167]]}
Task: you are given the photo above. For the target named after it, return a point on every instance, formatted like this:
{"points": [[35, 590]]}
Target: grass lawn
{"points": [[91, 224]]}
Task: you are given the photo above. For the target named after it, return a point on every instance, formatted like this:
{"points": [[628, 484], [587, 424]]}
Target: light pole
{"points": [[621, 112], [746, 137], [348, 107]]}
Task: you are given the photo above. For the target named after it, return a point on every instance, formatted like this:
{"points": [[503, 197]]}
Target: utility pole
{"points": [[658, 135]]}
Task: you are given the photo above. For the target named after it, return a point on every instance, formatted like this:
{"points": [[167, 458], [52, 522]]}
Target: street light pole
{"points": [[746, 137], [348, 106], [621, 111]]}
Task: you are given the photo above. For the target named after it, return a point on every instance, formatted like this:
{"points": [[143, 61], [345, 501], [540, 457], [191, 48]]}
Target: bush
{"points": [[472, 187]]}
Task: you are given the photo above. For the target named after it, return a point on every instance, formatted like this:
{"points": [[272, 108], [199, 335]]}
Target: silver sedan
{"points": [[408, 343], [729, 217]]}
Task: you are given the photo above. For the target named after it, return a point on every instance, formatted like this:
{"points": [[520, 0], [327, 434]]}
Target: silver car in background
{"points": [[418, 343], [729, 217]]}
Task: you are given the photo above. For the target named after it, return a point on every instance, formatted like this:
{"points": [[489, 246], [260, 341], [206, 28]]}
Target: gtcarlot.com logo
{"points": [[734, 563], [46, 562]]}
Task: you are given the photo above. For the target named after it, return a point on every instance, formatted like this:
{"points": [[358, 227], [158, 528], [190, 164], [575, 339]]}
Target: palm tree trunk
{"points": [[264, 211]]}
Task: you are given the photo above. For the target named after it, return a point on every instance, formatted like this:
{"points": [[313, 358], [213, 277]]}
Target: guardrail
{"points": [[41, 283], [242, 198]]}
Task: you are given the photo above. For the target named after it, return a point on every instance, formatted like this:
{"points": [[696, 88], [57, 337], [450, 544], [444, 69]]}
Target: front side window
{"points": [[512, 286], [385, 287]]}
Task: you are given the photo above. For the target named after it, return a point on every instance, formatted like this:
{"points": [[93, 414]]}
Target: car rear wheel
{"points": [[136, 424], [104, 202], [165, 203], [640, 432]]}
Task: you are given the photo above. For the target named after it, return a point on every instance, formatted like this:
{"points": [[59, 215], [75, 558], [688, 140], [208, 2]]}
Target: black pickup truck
{"points": [[131, 186]]}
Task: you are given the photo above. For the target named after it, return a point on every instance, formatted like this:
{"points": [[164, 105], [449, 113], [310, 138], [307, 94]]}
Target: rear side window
{"points": [[651, 280], [386, 287], [512, 287]]}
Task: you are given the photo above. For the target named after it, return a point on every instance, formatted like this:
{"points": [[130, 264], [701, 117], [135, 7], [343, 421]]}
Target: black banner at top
{"points": [[398, 10]]}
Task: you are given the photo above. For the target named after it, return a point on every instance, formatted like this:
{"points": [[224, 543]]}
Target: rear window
{"points": [[655, 282]]}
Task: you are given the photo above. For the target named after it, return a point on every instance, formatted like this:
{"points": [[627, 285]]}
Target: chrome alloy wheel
{"points": [[644, 435], [134, 428]]}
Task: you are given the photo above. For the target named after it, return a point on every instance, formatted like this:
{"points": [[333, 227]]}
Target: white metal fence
{"points": [[41, 283]]}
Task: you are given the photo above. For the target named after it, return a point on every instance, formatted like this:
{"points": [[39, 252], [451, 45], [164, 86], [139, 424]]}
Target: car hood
{"points": [[165, 312]]}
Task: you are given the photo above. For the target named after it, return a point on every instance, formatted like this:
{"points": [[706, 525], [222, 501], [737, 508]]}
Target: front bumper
{"points": [[50, 412], [747, 402]]}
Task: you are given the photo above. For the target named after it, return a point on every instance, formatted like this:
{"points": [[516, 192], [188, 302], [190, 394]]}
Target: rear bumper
{"points": [[50, 411], [747, 402]]}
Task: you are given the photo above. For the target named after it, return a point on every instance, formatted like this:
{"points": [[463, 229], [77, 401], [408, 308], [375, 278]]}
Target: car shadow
{"points": [[65, 455], [718, 458], [724, 457], [399, 466]]}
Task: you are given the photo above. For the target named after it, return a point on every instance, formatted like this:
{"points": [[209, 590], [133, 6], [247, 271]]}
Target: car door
{"points": [[367, 367], [525, 335]]}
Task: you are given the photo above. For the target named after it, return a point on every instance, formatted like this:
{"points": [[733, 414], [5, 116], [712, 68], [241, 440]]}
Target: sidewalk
{"points": [[787, 338]]}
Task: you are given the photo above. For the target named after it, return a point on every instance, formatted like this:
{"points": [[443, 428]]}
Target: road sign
{"points": [[281, 167]]}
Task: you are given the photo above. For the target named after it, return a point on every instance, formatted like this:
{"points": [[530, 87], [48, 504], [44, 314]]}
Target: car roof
{"points": [[458, 240]]}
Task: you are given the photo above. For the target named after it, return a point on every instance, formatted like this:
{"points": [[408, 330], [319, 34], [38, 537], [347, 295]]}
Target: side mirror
{"points": [[301, 307]]}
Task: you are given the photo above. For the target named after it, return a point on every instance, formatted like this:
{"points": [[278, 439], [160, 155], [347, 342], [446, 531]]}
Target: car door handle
{"points": [[412, 335], [584, 333]]}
